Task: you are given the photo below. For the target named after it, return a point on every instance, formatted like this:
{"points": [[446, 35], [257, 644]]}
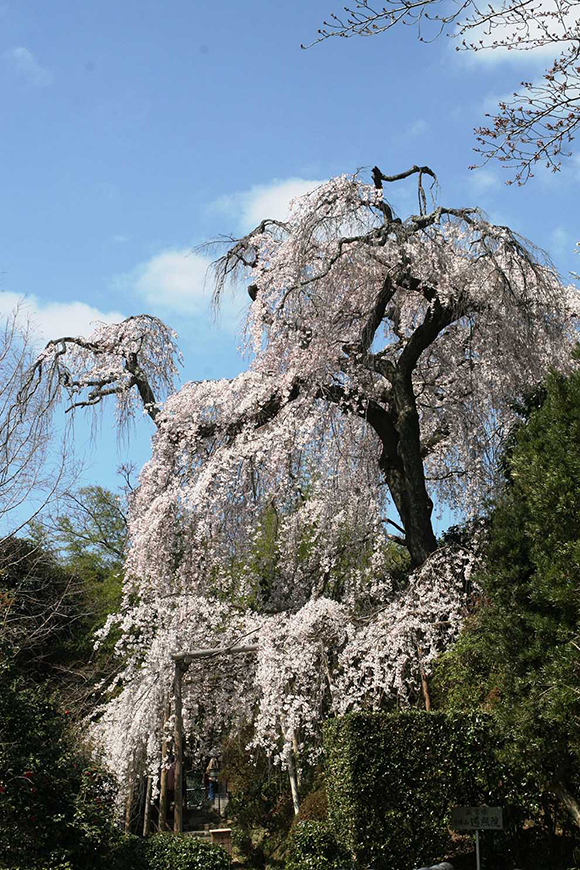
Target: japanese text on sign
{"points": [[477, 818]]}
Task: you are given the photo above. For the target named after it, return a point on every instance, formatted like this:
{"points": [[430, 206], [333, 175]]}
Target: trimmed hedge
{"points": [[159, 852], [313, 846], [392, 780], [174, 852]]}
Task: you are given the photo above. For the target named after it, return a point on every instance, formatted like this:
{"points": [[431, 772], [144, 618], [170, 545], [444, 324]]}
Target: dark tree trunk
{"points": [[402, 465], [559, 788], [414, 507]]}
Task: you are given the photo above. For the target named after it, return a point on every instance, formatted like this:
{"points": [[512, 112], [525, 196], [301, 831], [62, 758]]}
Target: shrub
{"points": [[313, 846], [173, 852], [127, 853], [55, 805], [393, 778]]}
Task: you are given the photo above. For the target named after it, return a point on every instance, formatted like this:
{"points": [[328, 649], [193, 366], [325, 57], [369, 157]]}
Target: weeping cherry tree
{"points": [[386, 355]]}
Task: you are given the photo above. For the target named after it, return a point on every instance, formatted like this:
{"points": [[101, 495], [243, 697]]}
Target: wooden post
{"points": [[147, 807], [129, 804], [178, 805], [424, 682], [296, 757], [293, 782], [163, 775]]}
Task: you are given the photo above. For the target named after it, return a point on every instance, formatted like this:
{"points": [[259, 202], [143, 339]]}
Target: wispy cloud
{"points": [[249, 207], [562, 240], [417, 128], [177, 281], [556, 23], [54, 319], [27, 68], [481, 180]]}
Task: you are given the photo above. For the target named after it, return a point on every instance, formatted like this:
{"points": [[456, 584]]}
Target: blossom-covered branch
{"points": [[538, 124], [138, 353]]}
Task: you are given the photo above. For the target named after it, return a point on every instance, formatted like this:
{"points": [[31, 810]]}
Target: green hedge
{"points": [[393, 778], [313, 846], [174, 852], [158, 852]]}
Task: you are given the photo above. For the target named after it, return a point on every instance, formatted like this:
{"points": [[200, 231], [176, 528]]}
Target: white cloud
{"points": [[558, 25], [177, 281], [249, 207], [27, 67], [173, 279], [54, 319], [482, 180]]}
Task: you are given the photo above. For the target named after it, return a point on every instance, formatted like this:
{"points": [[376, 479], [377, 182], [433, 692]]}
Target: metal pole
{"points": [[178, 806], [477, 856]]}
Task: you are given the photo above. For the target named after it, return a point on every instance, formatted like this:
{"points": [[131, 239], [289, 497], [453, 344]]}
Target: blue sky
{"points": [[134, 131]]}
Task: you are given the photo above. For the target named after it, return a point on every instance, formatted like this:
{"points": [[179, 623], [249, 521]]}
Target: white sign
{"points": [[477, 818]]}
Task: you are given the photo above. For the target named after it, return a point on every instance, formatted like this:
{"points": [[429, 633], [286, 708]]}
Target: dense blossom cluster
{"points": [[138, 352], [328, 657]]}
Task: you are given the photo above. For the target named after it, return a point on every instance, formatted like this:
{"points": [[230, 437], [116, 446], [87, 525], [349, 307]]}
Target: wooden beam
{"points": [[186, 658]]}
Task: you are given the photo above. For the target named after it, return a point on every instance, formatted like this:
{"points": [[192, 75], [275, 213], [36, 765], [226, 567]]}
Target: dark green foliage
{"points": [[171, 852], [127, 852], [39, 609], [393, 778], [55, 805], [313, 846], [519, 654]]}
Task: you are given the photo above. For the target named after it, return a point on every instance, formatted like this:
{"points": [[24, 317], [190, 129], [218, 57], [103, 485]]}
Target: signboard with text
{"points": [[477, 818]]}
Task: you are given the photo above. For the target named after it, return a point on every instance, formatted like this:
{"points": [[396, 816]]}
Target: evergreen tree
{"points": [[519, 654]]}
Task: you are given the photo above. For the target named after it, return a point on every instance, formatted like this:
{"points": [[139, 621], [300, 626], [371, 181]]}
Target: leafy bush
{"points": [[518, 654], [313, 846], [392, 780], [172, 852], [126, 853], [55, 805]]}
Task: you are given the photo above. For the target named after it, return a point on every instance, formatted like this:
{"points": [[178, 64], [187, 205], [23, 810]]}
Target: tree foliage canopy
{"points": [[519, 655]]}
